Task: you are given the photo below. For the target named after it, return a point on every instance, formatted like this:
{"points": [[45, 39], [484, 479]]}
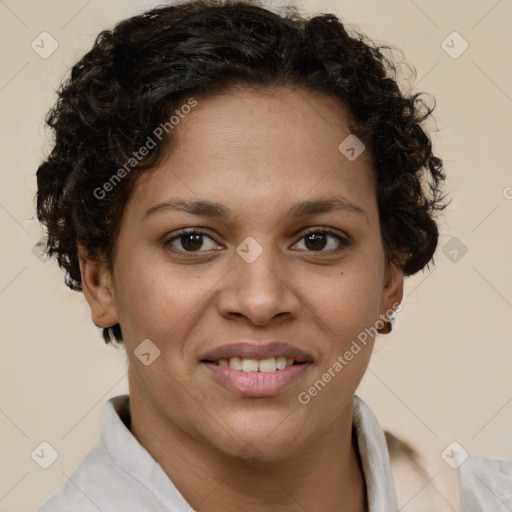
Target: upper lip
{"points": [[249, 349]]}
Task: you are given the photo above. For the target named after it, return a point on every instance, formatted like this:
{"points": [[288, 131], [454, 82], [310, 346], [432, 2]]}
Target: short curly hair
{"points": [[137, 75]]}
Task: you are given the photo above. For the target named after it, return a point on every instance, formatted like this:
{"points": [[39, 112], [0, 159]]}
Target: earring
{"points": [[388, 324]]}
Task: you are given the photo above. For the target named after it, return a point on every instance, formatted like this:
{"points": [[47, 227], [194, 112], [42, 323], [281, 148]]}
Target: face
{"points": [[273, 272]]}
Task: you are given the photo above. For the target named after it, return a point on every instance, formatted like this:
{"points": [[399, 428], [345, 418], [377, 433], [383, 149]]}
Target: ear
{"points": [[98, 290], [393, 291]]}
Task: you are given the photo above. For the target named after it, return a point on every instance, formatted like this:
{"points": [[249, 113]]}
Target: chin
{"points": [[261, 445]]}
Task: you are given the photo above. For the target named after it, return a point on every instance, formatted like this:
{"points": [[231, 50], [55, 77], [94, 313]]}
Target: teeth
{"points": [[249, 365], [281, 363], [268, 365], [253, 365], [235, 363]]}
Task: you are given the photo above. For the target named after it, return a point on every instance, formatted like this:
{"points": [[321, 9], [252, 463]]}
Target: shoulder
{"points": [[98, 483], [116, 474], [92, 484], [75, 494]]}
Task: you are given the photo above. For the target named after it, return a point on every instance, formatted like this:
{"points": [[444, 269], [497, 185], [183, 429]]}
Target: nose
{"points": [[261, 292]]}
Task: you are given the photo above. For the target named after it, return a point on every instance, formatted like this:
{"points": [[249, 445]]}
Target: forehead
{"points": [[259, 121], [251, 147]]}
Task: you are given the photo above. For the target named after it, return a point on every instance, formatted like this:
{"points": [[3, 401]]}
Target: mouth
{"points": [[254, 369]]}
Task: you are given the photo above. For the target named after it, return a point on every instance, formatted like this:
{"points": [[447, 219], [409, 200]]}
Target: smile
{"points": [[256, 368]]}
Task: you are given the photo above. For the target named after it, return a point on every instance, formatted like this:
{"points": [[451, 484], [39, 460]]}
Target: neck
{"points": [[326, 475]]}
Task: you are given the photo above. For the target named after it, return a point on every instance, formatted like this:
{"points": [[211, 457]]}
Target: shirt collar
{"points": [[374, 455], [132, 457]]}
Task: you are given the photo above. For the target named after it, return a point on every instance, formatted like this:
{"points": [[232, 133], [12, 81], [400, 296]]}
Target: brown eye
{"points": [[188, 241], [317, 239], [191, 241]]}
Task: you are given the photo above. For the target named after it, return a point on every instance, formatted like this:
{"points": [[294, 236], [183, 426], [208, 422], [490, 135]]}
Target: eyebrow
{"points": [[206, 208]]}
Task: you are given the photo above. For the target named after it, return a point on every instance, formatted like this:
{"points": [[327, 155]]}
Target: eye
{"points": [[316, 239], [190, 240]]}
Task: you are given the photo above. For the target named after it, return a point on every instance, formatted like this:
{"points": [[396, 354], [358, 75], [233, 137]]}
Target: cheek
{"points": [[351, 300], [145, 295], [155, 299]]}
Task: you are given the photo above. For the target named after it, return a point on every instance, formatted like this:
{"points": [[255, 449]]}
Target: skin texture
{"points": [[257, 153]]}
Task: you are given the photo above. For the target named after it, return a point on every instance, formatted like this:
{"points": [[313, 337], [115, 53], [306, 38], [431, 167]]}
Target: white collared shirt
{"points": [[119, 474]]}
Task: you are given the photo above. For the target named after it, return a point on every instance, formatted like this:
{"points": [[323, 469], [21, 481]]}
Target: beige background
{"points": [[444, 374]]}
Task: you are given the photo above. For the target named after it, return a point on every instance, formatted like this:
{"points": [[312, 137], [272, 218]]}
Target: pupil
{"points": [[196, 245], [315, 238]]}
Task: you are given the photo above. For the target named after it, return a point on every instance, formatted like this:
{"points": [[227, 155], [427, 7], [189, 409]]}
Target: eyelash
{"points": [[344, 241]]}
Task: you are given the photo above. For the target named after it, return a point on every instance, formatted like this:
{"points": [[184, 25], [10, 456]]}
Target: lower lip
{"points": [[257, 384]]}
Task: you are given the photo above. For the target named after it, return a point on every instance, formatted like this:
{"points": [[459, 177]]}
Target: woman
{"points": [[239, 195]]}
